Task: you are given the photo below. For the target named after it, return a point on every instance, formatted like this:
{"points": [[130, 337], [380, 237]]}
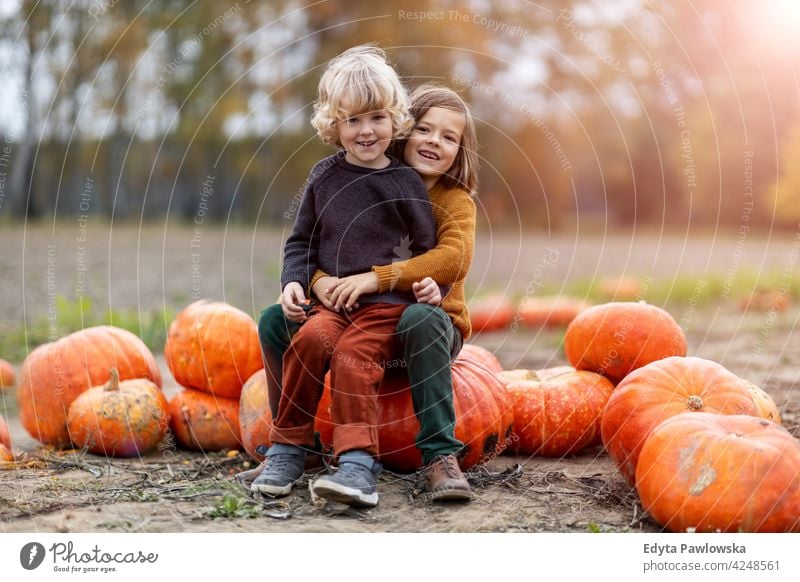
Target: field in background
{"points": [[74, 275]]}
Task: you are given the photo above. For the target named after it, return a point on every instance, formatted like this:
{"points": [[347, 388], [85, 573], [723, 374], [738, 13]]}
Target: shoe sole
{"points": [[450, 495], [347, 495], [272, 490]]}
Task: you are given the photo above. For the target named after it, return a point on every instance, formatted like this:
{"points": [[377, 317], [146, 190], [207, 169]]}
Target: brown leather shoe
{"points": [[444, 479]]}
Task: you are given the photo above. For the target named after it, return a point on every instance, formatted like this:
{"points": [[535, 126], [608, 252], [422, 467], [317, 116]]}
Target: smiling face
{"points": [[433, 144], [365, 138]]}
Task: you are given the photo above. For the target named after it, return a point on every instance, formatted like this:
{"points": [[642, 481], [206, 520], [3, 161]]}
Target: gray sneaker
{"points": [[285, 465], [354, 483]]}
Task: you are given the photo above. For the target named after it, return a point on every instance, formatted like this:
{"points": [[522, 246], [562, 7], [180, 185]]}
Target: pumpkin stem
{"points": [[694, 402], [113, 382]]}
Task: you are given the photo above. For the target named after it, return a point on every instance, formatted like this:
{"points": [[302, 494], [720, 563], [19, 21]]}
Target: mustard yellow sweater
{"points": [[447, 263]]}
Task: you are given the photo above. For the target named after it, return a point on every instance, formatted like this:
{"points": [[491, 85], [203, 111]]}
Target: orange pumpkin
{"points": [[255, 416], [204, 422], [213, 347], [550, 311], [491, 313], [55, 374], [665, 388], [614, 339], [709, 472], [7, 375], [481, 356], [765, 405], [5, 435], [484, 417], [766, 300], [559, 415], [119, 419], [6, 455]]}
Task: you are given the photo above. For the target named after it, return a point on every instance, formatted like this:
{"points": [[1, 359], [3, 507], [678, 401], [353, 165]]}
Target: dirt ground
{"points": [[171, 491]]}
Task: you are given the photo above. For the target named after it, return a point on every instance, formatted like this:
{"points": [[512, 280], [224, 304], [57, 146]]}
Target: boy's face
{"points": [[365, 138]]}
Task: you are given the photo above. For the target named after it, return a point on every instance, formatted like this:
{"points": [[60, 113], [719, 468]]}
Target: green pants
{"points": [[429, 343]]}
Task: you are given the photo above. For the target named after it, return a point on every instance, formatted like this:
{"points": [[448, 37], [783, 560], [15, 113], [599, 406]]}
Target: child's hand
{"points": [[349, 289], [292, 298], [427, 291], [323, 288]]}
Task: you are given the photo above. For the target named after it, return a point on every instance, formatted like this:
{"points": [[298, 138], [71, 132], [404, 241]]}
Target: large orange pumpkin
{"points": [[710, 472], [119, 419], [491, 313], [650, 395], [559, 415], [5, 435], [479, 355], [213, 347], [555, 311], [614, 339], [55, 374], [484, 417], [7, 375], [204, 422]]}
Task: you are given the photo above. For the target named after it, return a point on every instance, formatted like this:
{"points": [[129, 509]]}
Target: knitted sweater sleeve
{"points": [[449, 260], [300, 249]]}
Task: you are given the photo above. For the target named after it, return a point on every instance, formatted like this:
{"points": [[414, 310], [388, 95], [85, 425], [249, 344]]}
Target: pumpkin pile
{"points": [[703, 447], [54, 375], [212, 349]]}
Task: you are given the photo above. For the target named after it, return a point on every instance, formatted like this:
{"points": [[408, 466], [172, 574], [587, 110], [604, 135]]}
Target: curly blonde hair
{"points": [[359, 81]]}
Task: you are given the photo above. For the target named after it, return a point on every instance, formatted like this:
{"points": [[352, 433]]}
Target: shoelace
{"points": [[449, 466]]}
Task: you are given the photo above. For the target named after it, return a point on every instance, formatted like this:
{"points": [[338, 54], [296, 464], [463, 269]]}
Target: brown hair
{"points": [[464, 171]]}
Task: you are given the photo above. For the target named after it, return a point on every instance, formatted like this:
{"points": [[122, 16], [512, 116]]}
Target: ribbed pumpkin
{"points": [[213, 347], [6, 455], [484, 416], [765, 405], [7, 375], [711, 473], [119, 419], [555, 311], [204, 422], [665, 388], [491, 313], [558, 415], [481, 356], [5, 435], [614, 339], [55, 374]]}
